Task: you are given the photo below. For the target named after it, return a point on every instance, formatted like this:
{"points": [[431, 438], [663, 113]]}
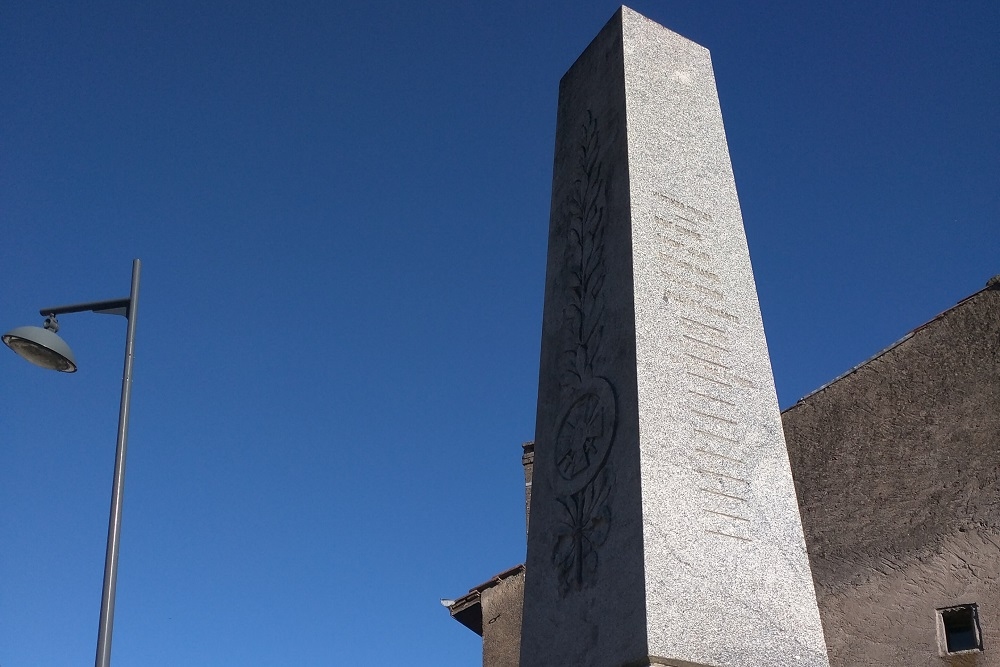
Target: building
{"points": [[896, 471]]}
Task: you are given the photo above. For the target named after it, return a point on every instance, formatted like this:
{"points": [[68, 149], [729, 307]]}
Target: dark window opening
{"points": [[961, 629]]}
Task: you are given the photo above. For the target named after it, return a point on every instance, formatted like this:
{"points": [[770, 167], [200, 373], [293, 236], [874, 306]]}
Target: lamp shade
{"points": [[42, 348]]}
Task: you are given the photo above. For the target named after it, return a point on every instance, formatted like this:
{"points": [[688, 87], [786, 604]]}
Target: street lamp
{"points": [[43, 347]]}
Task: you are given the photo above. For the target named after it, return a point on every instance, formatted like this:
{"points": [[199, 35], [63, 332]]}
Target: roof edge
{"points": [[467, 609], [993, 284]]}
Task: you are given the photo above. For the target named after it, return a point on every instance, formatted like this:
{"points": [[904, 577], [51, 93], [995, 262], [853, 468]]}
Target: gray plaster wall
{"points": [[501, 606], [896, 469]]}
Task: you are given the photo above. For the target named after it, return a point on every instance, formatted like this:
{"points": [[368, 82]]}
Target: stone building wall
{"points": [[897, 471], [502, 622]]}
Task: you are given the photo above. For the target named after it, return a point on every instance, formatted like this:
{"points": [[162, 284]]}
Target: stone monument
{"points": [[664, 526]]}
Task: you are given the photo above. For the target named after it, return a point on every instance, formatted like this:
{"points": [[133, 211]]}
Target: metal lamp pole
{"points": [[27, 347]]}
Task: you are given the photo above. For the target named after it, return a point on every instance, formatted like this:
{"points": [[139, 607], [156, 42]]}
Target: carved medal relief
{"points": [[715, 389], [588, 411]]}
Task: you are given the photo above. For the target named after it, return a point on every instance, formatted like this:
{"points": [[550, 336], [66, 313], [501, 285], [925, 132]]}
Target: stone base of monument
{"points": [[653, 661], [663, 517]]}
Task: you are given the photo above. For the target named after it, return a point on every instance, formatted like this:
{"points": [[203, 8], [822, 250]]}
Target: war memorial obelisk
{"points": [[664, 526]]}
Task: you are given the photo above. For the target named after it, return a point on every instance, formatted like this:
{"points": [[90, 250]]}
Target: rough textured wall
{"points": [[896, 470], [502, 622]]}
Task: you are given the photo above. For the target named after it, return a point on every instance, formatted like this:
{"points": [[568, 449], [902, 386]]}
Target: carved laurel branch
{"points": [[585, 258], [582, 531], [586, 511]]}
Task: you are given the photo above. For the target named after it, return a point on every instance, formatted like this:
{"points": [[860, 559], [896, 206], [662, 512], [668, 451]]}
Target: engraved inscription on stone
{"points": [[693, 292]]}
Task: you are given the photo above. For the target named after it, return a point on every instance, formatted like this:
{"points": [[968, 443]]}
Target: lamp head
{"points": [[42, 346]]}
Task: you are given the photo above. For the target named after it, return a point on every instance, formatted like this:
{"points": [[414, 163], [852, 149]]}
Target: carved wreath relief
{"points": [[585, 429]]}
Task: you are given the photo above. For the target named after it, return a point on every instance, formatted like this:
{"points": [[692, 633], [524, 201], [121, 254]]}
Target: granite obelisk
{"points": [[664, 526]]}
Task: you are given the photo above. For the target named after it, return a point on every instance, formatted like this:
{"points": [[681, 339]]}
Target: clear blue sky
{"points": [[341, 210]]}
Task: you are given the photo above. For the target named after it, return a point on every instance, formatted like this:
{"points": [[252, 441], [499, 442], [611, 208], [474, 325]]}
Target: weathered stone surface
{"points": [[663, 520], [896, 470]]}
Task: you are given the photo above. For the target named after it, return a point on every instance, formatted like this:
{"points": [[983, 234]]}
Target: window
{"points": [[959, 629]]}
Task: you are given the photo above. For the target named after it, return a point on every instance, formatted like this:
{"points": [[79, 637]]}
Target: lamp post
{"points": [[42, 347]]}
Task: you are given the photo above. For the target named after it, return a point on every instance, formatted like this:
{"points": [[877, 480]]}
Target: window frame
{"points": [[942, 628]]}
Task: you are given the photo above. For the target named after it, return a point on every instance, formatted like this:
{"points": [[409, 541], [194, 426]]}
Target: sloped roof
{"points": [[468, 611], [992, 284]]}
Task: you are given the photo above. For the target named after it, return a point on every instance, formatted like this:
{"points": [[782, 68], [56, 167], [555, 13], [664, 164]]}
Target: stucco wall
{"points": [[502, 622], [897, 470]]}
